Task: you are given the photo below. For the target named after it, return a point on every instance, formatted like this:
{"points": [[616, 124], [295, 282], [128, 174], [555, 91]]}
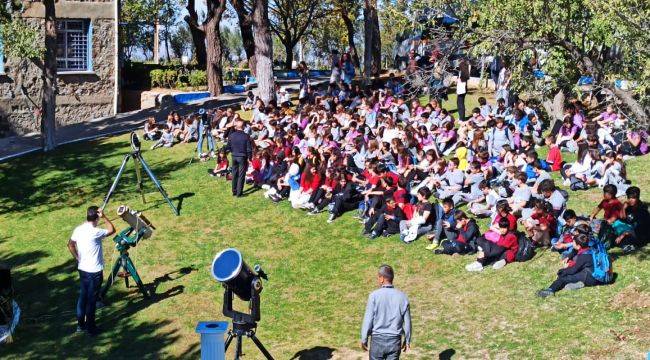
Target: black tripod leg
{"points": [[261, 346], [238, 352], [138, 174], [157, 183], [228, 340], [117, 179]]}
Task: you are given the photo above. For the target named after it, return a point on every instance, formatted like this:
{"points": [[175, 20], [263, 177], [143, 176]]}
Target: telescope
{"points": [[139, 228], [137, 221], [229, 268]]}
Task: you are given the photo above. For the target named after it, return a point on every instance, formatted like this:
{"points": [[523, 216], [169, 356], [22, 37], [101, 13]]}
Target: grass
{"points": [[320, 274]]}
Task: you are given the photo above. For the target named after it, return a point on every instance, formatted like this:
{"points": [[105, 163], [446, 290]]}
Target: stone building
{"points": [[87, 68]]}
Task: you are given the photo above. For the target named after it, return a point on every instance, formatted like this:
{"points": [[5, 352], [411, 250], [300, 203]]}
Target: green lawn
{"points": [[320, 274]]}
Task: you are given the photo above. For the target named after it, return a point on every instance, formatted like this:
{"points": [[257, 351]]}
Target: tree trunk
{"points": [[640, 114], [349, 25], [198, 36], [156, 41], [263, 51], [288, 59], [555, 108], [372, 46], [246, 30], [48, 99], [167, 43], [212, 31]]}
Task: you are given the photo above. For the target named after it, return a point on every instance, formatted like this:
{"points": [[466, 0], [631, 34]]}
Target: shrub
{"points": [[170, 77], [157, 78], [198, 78]]}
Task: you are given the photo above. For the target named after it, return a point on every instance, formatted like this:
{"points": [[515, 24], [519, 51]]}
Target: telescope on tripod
{"points": [[138, 162], [229, 268], [139, 228]]}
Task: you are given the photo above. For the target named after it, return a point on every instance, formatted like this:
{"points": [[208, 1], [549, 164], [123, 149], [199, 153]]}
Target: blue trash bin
{"points": [[212, 339]]}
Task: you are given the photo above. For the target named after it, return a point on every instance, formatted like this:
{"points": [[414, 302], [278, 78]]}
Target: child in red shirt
{"points": [[498, 254], [221, 167], [611, 206], [554, 156]]}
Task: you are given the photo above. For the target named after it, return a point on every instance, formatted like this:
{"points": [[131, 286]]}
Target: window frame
{"points": [[87, 31]]}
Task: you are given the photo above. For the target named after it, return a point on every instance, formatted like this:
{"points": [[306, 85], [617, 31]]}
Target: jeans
{"points": [[204, 131], [584, 276], [460, 103], [88, 293], [385, 347]]}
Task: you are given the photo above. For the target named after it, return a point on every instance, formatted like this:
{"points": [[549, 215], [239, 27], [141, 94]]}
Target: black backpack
{"points": [[526, 248]]}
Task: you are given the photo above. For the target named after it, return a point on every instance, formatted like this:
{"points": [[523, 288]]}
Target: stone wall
{"points": [[81, 96]]}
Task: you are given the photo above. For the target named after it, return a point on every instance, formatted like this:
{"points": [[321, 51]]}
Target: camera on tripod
{"points": [[204, 118]]}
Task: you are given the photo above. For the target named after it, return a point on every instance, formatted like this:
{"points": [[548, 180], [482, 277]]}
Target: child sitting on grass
{"points": [[166, 139], [498, 254], [221, 166], [610, 205], [465, 235], [578, 271]]}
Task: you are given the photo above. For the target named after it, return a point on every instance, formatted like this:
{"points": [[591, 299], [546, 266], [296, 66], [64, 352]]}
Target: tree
{"points": [[231, 44], [263, 51], [180, 40], [48, 97], [244, 10], [349, 11], [372, 41], [198, 36], [289, 20], [22, 41]]}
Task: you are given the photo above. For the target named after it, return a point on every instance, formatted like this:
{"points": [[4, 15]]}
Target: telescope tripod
{"points": [[241, 329], [125, 263], [138, 161], [123, 242]]}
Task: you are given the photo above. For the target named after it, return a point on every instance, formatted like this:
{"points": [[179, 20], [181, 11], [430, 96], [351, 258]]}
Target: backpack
{"points": [[577, 184], [565, 194], [602, 264], [526, 248]]}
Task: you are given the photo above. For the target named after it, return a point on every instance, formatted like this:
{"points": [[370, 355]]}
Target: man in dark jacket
{"points": [[240, 145]]}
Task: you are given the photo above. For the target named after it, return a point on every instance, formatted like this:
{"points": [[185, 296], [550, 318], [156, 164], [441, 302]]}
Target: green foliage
{"points": [[137, 19], [163, 77], [197, 78], [19, 40]]}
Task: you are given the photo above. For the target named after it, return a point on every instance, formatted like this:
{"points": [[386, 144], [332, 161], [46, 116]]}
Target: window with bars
{"points": [[73, 42]]}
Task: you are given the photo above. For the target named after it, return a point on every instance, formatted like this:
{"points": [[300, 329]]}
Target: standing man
{"points": [[461, 87], [85, 245], [387, 317], [240, 145]]}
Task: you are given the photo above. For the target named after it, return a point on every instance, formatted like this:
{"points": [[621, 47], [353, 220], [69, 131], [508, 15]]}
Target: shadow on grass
{"points": [[47, 328], [447, 354], [640, 254], [70, 175], [315, 353]]}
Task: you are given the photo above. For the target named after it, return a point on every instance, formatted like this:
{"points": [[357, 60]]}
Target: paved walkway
{"points": [[15, 146]]}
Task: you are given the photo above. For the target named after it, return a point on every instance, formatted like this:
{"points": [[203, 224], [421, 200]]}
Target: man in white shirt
{"points": [[85, 245]]}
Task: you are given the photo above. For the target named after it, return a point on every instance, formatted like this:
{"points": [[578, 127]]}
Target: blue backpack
{"points": [[602, 264]]}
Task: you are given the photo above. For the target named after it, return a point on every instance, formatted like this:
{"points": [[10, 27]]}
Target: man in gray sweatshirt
{"points": [[387, 318]]}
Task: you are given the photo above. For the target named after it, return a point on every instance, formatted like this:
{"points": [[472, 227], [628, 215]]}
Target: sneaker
{"points": [[266, 186], [373, 235], [574, 286], [312, 213], [80, 329], [475, 266], [545, 293], [627, 249], [331, 218], [438, 252], [434, 244], [566, 182], [499, 265]]}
